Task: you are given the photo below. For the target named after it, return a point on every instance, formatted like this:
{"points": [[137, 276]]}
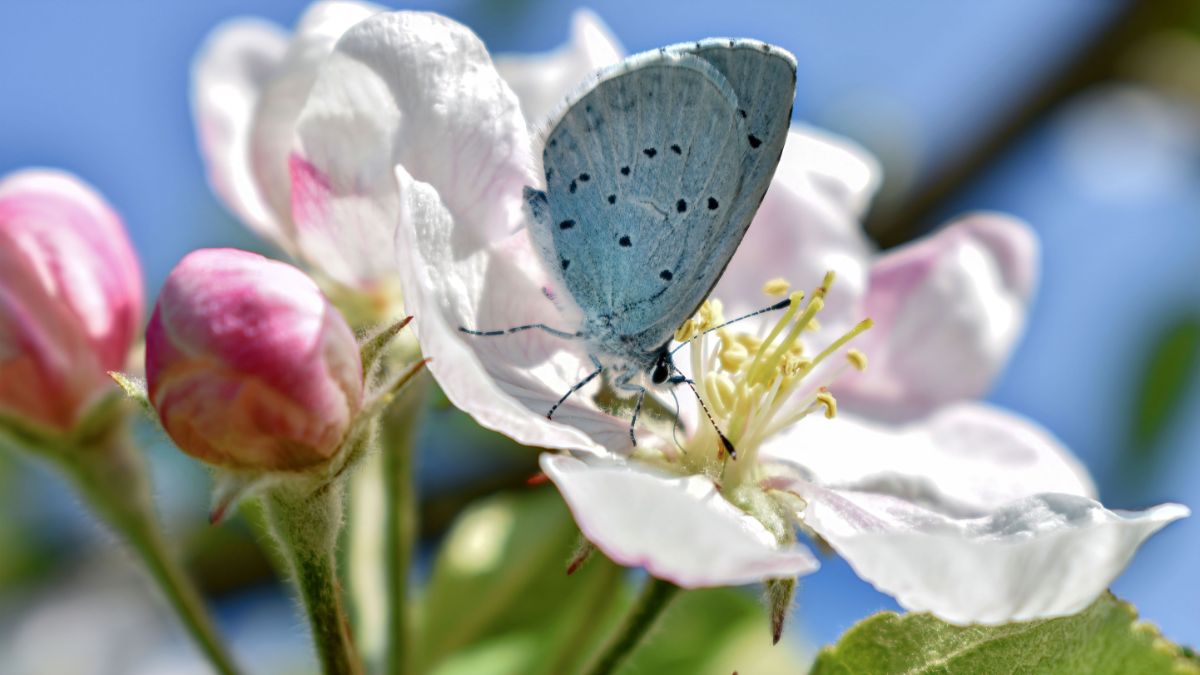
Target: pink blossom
{"points": [[248, 364], [70, 297]]}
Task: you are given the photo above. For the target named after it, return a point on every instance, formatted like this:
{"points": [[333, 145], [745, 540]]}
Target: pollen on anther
{"points": [[686, 331], [826, 399], [857, 359], [733, 356], [777, 287]]}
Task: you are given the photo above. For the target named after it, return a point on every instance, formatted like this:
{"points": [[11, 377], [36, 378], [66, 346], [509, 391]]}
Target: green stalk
{"points": [[306, 526], [400, 424], [656, 595], [111, 477]]}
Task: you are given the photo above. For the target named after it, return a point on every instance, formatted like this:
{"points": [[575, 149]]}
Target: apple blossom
{"points": [[70, 298], [249, 366], [250, 82], [972, 513]]}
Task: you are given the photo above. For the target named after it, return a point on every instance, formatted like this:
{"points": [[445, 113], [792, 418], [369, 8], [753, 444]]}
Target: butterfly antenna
{"points": [[720, 434], [782, 304]]}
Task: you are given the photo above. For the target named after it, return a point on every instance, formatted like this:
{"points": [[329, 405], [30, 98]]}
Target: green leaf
{"points": [[1104, 638], [499, 601], [714, 630], [499, 586], [1168, 374]]}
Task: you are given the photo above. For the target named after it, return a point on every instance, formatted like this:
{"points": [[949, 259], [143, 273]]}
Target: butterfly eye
{"points": [[660, 372]]}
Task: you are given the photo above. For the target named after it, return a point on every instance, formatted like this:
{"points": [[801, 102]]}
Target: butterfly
{"points": [[654, 171]]}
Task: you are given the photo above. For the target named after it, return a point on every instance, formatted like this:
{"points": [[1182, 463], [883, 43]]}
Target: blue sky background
{"points": [[1110, 181]]}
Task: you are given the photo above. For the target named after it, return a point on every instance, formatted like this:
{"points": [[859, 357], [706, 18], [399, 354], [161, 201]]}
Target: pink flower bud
{"points": [[249, 366], [70, 297]]}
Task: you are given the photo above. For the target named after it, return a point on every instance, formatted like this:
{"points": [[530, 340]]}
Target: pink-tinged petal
{"points": [[543, 81], [1043, 556], [451, 278], [679, 528], [840, 168], [236, 63], [284, 96], [947, 310], [411, 89], [965, 460], [248, 365], [70, 294], [799, 234]]}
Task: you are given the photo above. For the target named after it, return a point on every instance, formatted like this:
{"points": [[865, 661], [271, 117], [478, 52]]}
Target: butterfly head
{"points": [[663, 365]]}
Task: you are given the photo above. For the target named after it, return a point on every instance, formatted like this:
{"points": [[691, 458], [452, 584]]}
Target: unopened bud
{"points": [[70, 298], [248, 364]]}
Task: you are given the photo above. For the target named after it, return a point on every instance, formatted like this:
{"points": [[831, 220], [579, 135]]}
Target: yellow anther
{"points": [[794, 365], [826, 399], [686, 331], [726, 389], [857, 359], [733, 356], [813, 326], [777, 287], [750, 342]]}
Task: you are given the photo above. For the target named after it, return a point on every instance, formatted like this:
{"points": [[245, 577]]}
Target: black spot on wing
{"points": [[565, 263], [650, 152], [625, 241], [612, 199], [566, 225], [676, 149], [755, 141], [624, 171], [583, 177], [573, 186], [681, 206], [712, 204], [666, 275]]}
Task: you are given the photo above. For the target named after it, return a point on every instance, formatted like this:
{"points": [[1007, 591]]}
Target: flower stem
{"points": [[306, 527], [654, 598], [111, 476], [398, 433]]}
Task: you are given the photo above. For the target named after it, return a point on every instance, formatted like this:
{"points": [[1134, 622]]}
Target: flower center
{"points": [[757, 385]]}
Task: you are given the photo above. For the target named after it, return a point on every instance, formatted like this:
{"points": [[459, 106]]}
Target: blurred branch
{"points": [[1097, 61]]}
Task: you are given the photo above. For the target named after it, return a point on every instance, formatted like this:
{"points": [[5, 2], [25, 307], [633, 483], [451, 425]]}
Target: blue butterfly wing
{"points": [[763, 78], [652, 179]]}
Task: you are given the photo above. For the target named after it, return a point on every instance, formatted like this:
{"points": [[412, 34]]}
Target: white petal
{"points": [[799, 234], [1043, 556], [235, 64], [965, 460], [542, 81], [947, 310], [679, 528], [406, 88], [454, 278], [284, 95], [839, 167]]}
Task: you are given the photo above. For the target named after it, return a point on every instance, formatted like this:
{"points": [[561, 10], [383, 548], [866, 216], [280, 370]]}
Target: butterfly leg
{"points": [[577, 386], [624, 384], [517, 329]]}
